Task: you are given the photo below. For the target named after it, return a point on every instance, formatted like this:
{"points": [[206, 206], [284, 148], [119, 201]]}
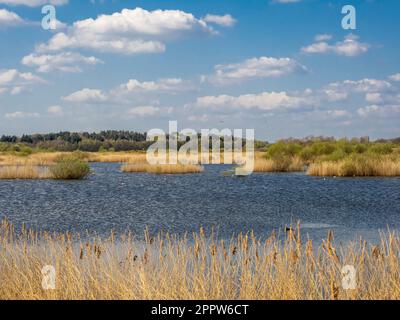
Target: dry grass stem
{"points": [[202, 267]]}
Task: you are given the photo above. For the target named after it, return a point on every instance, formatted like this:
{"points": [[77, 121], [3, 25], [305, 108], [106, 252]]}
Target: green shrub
{"points": [[323, 148], [307, 154], [337, 155], [361, 148], [25, 151], [282, 149], [329, 150], [382, 148], [346, 148], [70, 168], [90, 145]]}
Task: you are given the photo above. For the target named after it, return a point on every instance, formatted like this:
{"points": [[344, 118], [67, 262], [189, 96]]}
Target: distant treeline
{"points": [[118, 140], [112, 140]]}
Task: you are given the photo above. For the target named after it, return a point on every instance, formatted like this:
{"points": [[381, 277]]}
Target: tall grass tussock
{"points": [[202, 267], [64, 167], [294, 164], [161, 168], [36, 159], [69, 168], [24, 172], [357, 166], [117, 157]]}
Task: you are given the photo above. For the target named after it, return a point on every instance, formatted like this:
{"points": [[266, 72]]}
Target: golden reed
{"points": [[294, 164], [202, 267], [161, 168], [362, 167], [24, 172]]}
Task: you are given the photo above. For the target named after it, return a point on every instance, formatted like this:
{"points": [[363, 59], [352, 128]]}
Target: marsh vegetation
{"points": [[59, 167], [161, 168], [342, 158], [69, 168], [11, 172], [196, 267], [317, 157], [358, 166]]}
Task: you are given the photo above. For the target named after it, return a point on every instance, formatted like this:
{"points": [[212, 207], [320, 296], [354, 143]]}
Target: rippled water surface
{"points": [[110, 199]]}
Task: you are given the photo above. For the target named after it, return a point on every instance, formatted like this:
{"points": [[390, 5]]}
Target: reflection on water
{"points": [[110, 199]]}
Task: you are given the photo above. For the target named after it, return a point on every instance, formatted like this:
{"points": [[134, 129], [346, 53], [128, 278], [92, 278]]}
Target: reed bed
{"points": [[64, 167], [69, 168], [49, 158], [202, 267], [127, 157], [24, 172], [117, 157], [36, 159], [355, 165], [360, 167], [201, 158], [294, 164], [161, 168]]}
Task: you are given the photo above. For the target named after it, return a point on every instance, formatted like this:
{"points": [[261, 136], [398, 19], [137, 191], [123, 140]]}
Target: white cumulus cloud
{"points": [[14, 82], [323, 37], [286, 1], [64, 62], [33, 3], [349, 47], [86, 96], [263, 101], [377, 110], [226, 20], [395, 77], [262, 67], [338, 113], [21, 115], [143, 111], [338, 91], [8, 18], [125, 92], [128, 32], [55, 111], [374, 97], [167, 84]]}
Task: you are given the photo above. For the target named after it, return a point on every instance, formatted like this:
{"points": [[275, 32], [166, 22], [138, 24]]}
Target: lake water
{"points": [[110, 199]]}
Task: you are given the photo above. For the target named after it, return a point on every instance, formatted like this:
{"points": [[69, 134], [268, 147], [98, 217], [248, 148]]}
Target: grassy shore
{"points": [[341, 158], [63, 167], [168, 267], [50, 158]]}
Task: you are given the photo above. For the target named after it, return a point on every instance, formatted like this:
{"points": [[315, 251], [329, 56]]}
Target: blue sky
{"points": [[284, 69]]}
